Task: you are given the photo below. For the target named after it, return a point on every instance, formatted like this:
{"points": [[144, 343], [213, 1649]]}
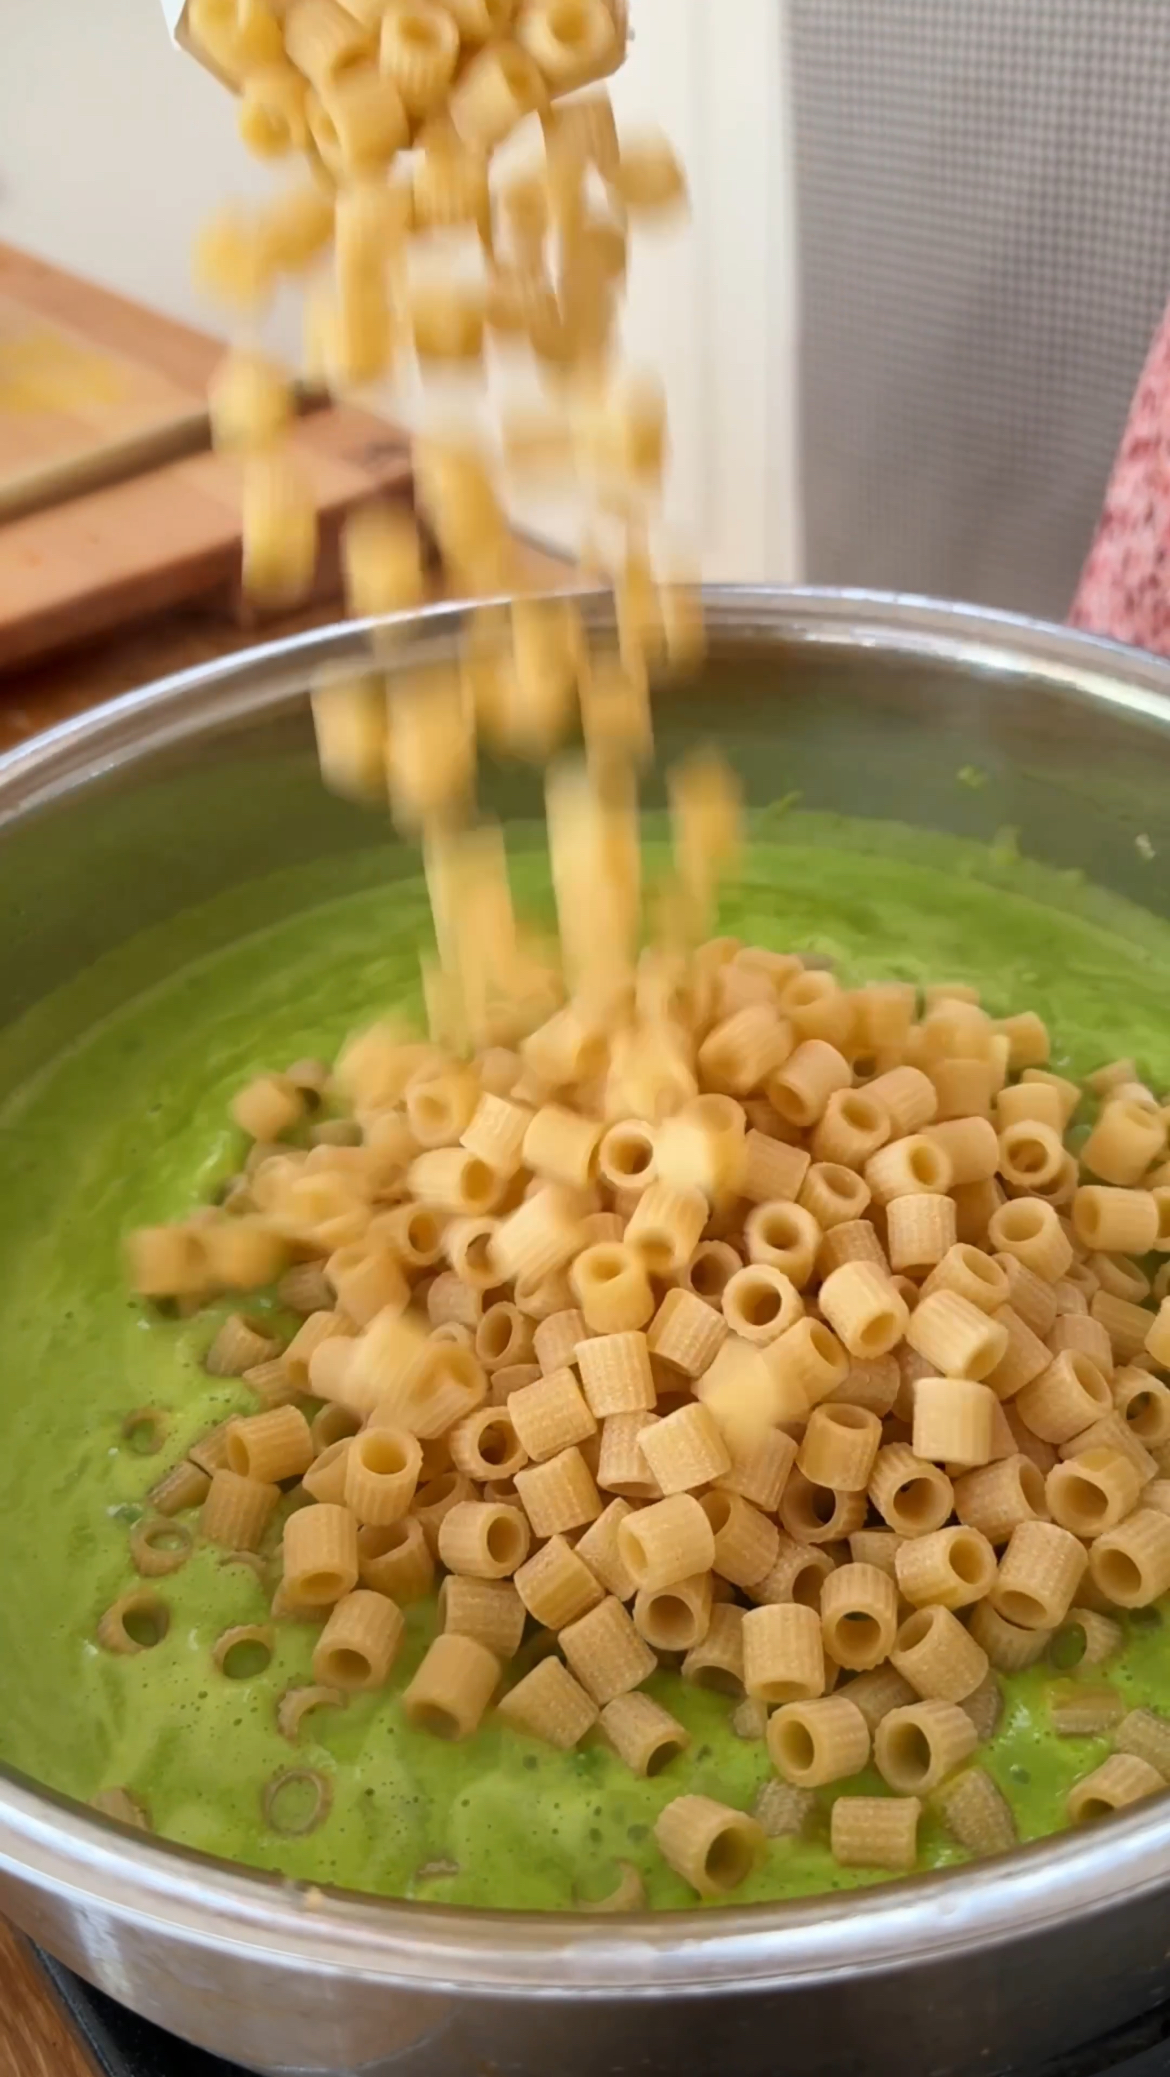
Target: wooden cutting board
{"points": [[112, 505], [73, 413]]}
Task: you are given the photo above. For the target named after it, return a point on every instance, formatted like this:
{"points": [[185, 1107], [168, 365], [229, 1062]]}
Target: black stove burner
{"points": [[123, 2046]]}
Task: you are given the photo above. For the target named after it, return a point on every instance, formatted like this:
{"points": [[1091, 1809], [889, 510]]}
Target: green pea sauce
{"points": [[128, 1125]]}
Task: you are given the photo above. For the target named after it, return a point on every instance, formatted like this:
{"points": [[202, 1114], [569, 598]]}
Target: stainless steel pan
{"points": [[866, 705]]}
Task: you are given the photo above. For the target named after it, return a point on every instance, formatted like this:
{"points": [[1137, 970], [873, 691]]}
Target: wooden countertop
{"points": [[34, 2040]]}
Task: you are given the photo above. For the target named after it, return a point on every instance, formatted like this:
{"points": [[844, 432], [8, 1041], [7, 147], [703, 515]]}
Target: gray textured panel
{"points": [[984, 215]]}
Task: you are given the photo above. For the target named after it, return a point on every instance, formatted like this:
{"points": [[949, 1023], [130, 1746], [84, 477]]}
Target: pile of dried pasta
{"points": [[467, 207], [758, 1326]]}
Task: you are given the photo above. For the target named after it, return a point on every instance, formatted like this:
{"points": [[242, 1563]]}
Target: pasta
{"points": [[949, 1568], [489, 1610], [783, 1653], [237, 1510], [955, 1336], [859, 1615], [953, 1421], [549, 1704], [814, 1743], [939, 1659], [875, 1832], [452, 1687], [1130, 1563], [357, 1648], [1121, 1779], [840, 1446], [667, 1542], [746, 1543], [975, 1813], [642, 1733], [713, 1848], [606, 1652], [916, 1748], [483, 1539], [320, 1555], [1039, 1574], [675, 1618]]}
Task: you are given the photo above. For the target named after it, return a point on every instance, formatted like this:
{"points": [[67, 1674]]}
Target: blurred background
{"points": [[930, 245]]}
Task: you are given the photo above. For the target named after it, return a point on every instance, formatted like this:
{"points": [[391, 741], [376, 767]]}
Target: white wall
{"points": [[113, 144]]}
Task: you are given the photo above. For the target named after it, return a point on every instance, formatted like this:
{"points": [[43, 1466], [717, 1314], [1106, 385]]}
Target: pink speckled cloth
{"points": [[1125, 585]]}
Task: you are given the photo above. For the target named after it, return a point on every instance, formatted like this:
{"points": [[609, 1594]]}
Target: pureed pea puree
{"points": [[127, 1127]]}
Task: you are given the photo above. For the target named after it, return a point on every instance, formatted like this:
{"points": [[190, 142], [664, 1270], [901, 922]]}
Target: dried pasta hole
{"points": [[728, 1859], [382, 1453], [910, 1753], [1068, 1647], [628, 1153], [145, 1430], [347, 1668], [495, 1334], [878, 1333], [1119, 1576], [296, 1801], [1022, 1608], [925, 1165], [1030, 1156], [806, 1585], [673, 1621], [1084, 1500], [477, 1255], [967, 1560], [159, 1547], [709, 1273], [605, 1266], [980, 1266], [838, 1182], [1022, 1221], [857, 1633], [780, 1230], [917, 1501], [504, 1540], [479, 1183], [861, 1112], [717, 1508], [1144, 1415], [146, 1622], [818, 1505], [1030, 1480], [496, 1442], [720, 1679], [664, 1752], [797, 1745], [440, 1722], [320, 1588], [244, 1655], [422, 1232], [760, 1304], [1091, 1807]]}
